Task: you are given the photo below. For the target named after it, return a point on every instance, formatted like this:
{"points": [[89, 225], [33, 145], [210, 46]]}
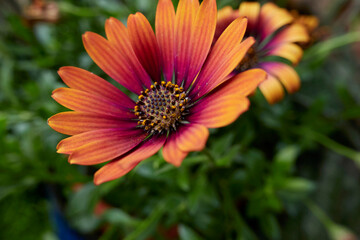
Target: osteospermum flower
{"points": [[182, 88], [275, 35]]}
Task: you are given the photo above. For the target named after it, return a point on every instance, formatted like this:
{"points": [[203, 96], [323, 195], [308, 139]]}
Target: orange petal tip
{"points": [[177, 164], [60, 70], [59, 149], [86, 35], [111, 19], [251, 39], [54, 92], [99, 179]]}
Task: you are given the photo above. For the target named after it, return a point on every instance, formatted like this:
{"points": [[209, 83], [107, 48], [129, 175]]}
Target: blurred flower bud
{"points": [[41, 11]]}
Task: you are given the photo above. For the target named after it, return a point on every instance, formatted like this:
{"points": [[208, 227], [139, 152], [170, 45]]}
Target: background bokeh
{"points": [[287, 171]]}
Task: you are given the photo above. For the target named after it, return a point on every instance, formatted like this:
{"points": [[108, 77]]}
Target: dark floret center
{"points": [[161, 108], [249, 61]]}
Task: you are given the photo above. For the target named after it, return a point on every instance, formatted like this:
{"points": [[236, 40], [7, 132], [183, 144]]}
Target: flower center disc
{"points": [[249, 61], [162, 107]]}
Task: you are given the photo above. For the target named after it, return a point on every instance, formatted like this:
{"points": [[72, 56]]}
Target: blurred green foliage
{"points": [[288, 171]]}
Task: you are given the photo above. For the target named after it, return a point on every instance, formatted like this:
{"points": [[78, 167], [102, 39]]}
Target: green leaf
{"points": [[270, 226], [196, 193], [222, 144], [18, 186], [186, 233], [119, 217], [285, 159], [226, 159], [295, 188], [7, 81]]}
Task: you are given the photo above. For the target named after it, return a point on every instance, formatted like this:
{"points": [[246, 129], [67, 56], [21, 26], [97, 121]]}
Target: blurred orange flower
{"points": [[276, 34], [41, 11]]}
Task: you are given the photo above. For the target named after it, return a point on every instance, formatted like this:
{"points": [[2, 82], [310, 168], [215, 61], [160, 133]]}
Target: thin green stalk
{"points": [[322, 49], [335, 231], [331, 144], [319, 214]]}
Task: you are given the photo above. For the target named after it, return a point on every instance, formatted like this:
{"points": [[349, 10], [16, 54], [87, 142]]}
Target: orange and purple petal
{"points": [[98, 149], [272, 89], [227, 102], [271, 18], [251, 11], [219, 54], [242, 84], [80, 79], [201, 39], [144, 43], [111, 61], [184, 25], [217, 69], [291, 34], [72, 123], [285, 73], [70, 144], [225, 17], [164, 27], [219, 112], [172, 153], [122, 165], [192, 137], [86, 102], [289, 51], [118, 37]]}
